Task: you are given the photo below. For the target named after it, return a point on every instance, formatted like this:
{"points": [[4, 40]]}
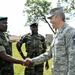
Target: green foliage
{"points": [[39, 8], [19, 69], [70, 3], [69, 7], [36, 9]]}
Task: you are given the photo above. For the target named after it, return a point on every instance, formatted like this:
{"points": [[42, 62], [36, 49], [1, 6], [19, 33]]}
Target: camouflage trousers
{"points": [[34, 70]]}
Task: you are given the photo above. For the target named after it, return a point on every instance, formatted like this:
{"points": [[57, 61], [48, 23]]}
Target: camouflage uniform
{"points": [[35, 45], [6, 68], [63, 52]]}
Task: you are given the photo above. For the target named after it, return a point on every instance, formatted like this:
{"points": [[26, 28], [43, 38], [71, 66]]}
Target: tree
{"points": [[69, 7], [37, 10]]}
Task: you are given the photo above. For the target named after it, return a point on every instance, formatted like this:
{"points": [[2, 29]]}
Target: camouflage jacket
{"points": [[63, 51], [5, 45], [35, 44]]}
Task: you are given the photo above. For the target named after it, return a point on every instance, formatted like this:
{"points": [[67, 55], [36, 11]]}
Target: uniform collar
{"points": [[62, 28]]}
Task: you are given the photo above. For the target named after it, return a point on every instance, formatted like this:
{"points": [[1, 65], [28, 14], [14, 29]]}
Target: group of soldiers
{"points": [[35, 45], [62, 49]]}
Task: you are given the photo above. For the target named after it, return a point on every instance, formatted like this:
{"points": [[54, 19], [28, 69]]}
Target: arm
{"points": [[18, 45], [45, 47], [39, 59], [43, 57], [9, 58]]}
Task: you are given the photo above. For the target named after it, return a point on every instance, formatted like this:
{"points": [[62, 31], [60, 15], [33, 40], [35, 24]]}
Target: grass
{"points": [[19, 69]]}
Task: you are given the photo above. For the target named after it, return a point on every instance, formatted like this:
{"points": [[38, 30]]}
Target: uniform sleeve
{"points": [[1, 46], [43, 57], [71, 54]]}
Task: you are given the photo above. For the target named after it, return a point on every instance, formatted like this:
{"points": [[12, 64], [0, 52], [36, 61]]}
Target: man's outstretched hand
{"points": [[28, 62]]}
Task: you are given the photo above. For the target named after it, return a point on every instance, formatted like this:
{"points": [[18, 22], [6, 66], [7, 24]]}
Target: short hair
{"points": [[57, 11], [62, 15]]}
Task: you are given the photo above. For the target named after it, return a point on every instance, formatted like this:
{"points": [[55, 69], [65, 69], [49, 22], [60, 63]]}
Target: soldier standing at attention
{"points": [[6, 59], [35, 45], [62, 50]]}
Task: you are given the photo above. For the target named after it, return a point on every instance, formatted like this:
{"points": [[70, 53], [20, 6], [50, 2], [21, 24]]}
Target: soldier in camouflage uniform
{"points": [[6, 68], [35, 45], [62, 50]]}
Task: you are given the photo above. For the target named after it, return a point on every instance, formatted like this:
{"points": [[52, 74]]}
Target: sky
{"points": [[13, 9]]}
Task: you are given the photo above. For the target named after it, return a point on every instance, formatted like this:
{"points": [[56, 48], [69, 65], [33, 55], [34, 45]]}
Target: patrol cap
{"points": [[3, 18], [34, 24], [54, 11]]}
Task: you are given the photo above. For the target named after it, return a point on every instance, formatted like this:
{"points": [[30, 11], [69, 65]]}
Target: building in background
{"points": [[14, 38], [49, 38]]}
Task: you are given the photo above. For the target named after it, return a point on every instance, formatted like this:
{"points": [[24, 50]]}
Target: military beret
{"points": [[3, 18], [33, 24], [54, 11]]}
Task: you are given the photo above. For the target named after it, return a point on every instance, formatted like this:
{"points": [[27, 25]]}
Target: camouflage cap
{"points": [[33, 24], [3, 18], [54, 11]]}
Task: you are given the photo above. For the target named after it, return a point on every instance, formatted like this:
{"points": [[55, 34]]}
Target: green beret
{"points": [[3, 18]]}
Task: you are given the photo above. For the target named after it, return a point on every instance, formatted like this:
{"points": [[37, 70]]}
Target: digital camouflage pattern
{"points": [[63, 52], [6, 68], [35, 45]]}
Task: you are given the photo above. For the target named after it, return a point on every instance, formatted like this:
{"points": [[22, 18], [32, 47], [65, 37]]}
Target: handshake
{"points": [[27, 62]]}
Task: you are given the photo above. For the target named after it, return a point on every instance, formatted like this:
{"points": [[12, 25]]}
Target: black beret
{"points": [[34, 24]]}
